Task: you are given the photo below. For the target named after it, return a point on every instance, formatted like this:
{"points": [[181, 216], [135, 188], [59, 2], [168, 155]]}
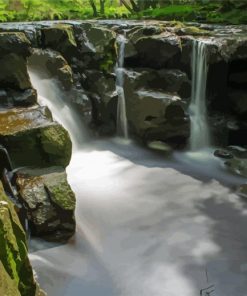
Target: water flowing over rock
{"points": [[200, 134], [122, 122]]}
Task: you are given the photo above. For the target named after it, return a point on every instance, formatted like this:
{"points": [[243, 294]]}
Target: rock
{"points": [[32, 138], [14, 42], [157, 116], [172, 81], [237, 166], [97, 47], [60, 37], [50, 202], [165, 46], [242, 191], [12, 98], [54, 64], [192, 30], [14, 72], [16, 276], [160, 147], [223, 154], [56, 143], [103, 95], [238, 100], [238, 79]]}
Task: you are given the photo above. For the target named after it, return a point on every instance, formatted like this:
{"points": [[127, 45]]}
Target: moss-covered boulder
{"points": [[14, 42], [16, 276], [60, 37], [96, 46], [50, 202], [32, 138]]}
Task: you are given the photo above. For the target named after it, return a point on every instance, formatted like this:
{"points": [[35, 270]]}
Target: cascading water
{"points": [[144, 225], [200, 134], [49, 94], [122, 123]]}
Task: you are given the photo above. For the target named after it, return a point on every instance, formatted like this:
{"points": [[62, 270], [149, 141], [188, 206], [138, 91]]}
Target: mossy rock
{"points": [[60, 37], [192, 30], [14, 42], [50, 202], [32, 138], [56, 144], [13, 72], [15, 265]]}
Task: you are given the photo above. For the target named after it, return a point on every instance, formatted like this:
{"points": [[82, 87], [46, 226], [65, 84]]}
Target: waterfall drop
{"points": [[50, 95], [122, 123], [200, 134]]}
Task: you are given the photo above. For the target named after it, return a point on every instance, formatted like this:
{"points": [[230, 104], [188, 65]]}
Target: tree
{"points": [[102, 6], [93, 5]]}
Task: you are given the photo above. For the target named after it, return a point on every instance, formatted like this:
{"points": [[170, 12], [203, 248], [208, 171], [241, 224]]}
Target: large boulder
{"points": [[14, 72], [96, 46], [32, 138], [60, 37], [154, 113], [14, 42], [16, 276], [50, 202], [155, 51]]}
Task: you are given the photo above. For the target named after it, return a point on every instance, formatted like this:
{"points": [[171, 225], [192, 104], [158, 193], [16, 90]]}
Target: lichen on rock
{"points": [[14, 263]]}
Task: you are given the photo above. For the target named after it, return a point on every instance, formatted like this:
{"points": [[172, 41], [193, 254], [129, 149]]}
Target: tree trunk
{"points": [[102, 6], [125, 3], [92, 3]]}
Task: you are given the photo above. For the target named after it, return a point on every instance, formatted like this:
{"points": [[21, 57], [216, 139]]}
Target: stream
{"points": [[147, 224]]}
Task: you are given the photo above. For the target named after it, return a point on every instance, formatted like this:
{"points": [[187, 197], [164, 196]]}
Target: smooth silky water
{"points": [[122, 123], [147, 225], [200, 133]]}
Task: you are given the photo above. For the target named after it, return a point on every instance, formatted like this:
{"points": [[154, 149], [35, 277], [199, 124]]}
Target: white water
{"points": [[122, 123], [200, 134], [49, 94], [146, 226]]}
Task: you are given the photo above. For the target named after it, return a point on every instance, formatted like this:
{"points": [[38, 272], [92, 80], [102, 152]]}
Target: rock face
{"points": [[50, 202], [16, 276]]}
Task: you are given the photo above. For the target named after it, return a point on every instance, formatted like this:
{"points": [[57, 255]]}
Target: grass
{"points": [[208, 13]]}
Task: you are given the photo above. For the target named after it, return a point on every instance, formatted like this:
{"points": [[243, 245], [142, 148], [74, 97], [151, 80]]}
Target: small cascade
{"points": [[200, 134], [50, 95], [122, 123]]}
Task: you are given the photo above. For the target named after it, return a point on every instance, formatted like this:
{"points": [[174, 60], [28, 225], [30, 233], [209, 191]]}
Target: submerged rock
{"points": [[16, 276], [50, 202]]}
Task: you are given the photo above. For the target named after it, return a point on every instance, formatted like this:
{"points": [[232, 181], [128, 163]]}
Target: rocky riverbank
{"points": [[157, 85]]}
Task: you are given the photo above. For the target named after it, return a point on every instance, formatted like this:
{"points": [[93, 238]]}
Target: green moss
{"points": [[13, 250], [61, 193], [56, 143]]}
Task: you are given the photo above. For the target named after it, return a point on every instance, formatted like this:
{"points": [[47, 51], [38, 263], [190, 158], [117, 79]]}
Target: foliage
{"points": [[214, 11]]}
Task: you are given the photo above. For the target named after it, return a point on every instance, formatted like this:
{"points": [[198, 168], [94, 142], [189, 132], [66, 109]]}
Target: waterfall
{"points": [[200, 135], [122, 124], [50, 95]]}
